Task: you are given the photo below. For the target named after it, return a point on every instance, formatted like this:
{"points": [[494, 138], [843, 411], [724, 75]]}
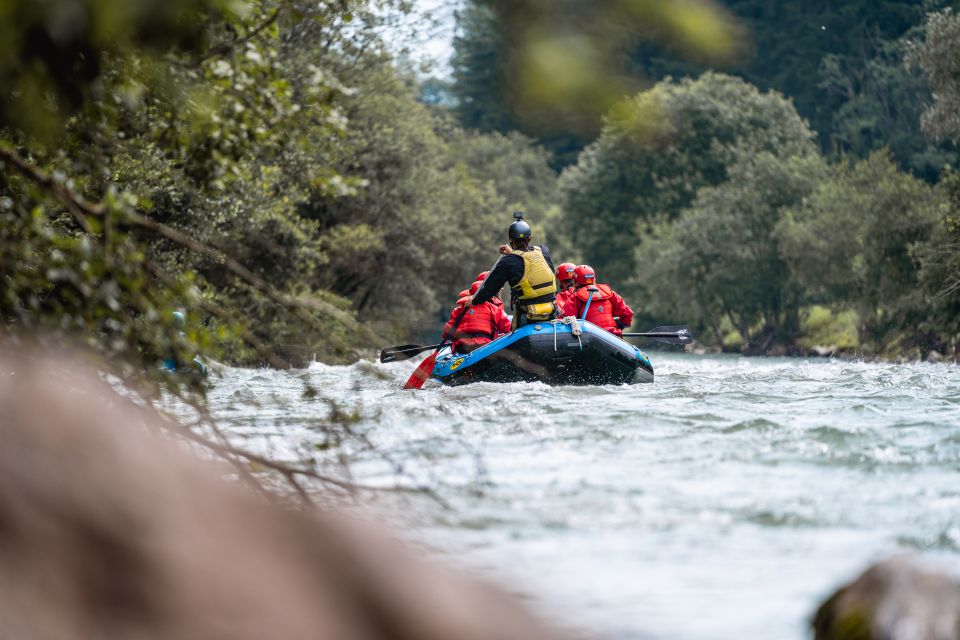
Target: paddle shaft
{"points": [[678, 335], [421, 373], [404, 352]]}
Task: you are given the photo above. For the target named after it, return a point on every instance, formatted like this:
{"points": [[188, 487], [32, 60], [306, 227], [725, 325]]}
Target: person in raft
{"points": [[529, 271], [568, 287], [482, 324], [173, 364], [607, 309]]}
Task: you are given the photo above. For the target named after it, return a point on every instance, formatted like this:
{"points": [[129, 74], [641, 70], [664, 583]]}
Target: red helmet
{"points": [[584, 275], [482, 276], [565, 271], [475, 287]]}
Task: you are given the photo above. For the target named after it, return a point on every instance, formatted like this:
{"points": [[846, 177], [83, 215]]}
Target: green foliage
{"points": [[940, 268], [939, 57], [55, 282], [551, 68], [401, 247], [881, 100], [853, 241], [52, 53], [519, 170], [658, 150], [822, 327], [221, 172], [476, 70], [841, 65], [267, 166], [791, 39], [719, 259]]}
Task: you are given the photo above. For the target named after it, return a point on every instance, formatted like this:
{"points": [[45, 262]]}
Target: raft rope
{"points": [[575, 328]]}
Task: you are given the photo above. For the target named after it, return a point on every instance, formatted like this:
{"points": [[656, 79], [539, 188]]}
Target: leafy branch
{"points": [[81, 210]]}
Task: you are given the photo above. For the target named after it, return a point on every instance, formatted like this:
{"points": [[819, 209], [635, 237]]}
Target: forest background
{"points": [[777, 174]]}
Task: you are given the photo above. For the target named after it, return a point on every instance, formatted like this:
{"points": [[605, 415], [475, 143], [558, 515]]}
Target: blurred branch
{"points": [[228, 47], [214, 309], [291, 473]]}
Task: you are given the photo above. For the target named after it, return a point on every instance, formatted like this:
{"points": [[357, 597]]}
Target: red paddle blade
{"points": [[418, 377]]}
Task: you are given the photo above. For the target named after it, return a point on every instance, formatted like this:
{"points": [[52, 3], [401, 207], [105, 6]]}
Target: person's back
{"points": [[607, 309], [529, 272]]}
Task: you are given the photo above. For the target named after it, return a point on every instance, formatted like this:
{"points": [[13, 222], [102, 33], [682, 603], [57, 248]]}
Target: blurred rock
{"points": [[109, 531], [824, 351], [892, 600], [935, 356]]}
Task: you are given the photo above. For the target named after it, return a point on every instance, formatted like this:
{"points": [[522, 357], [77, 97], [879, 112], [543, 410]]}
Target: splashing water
{"points": [[724, 500]]}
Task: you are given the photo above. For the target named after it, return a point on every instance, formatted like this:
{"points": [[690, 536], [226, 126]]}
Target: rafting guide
{"points": [[529, 270]]}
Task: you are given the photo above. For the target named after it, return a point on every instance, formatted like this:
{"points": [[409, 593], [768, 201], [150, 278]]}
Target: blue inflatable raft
{"points": [[557, 353]]}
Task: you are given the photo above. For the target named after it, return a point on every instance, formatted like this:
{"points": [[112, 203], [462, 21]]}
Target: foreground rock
{"points": [[108, 531], [892, 600]]}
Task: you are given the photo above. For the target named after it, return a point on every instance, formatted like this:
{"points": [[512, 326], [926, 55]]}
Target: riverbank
{"points": [[826, 333]]}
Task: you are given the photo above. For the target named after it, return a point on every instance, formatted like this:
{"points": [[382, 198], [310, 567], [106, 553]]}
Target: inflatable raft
{"points": [[557, 353]]}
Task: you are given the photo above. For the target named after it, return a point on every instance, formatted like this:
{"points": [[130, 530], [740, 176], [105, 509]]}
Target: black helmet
{"points": [[519, 230]]}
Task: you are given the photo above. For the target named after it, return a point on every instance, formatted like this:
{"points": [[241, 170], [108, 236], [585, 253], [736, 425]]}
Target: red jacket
{"points": [[606, 308], [481, 325], [563, 298]]}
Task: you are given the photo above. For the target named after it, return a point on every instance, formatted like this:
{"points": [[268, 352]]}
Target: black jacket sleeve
{"points": [[509, 268]]}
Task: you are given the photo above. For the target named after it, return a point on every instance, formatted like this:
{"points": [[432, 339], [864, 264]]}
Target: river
{"points": [[723, 501]]}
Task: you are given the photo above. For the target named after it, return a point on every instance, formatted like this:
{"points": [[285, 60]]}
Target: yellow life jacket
{"points": [[537, 284]]}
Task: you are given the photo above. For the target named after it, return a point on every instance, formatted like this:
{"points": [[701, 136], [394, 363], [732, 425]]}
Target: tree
{"points": [[789, 42], [853, 243], [177, 179], [73, 255], [401, 247], [658, 151], [880, 101], [477, 83], [550, 69], [939, 58], [939, 260], [720, 259]]}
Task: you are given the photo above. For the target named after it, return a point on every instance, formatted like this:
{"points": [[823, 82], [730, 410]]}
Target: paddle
{"points": [[404, 352], [421, 373], [668, 335]]}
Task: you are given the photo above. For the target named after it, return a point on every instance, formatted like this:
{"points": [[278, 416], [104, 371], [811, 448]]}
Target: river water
{"points": [[723, 501]]}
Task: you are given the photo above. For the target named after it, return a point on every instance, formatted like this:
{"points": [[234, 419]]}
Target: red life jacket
{"points": [[477, 328], [479, 321], [600, 312]]}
